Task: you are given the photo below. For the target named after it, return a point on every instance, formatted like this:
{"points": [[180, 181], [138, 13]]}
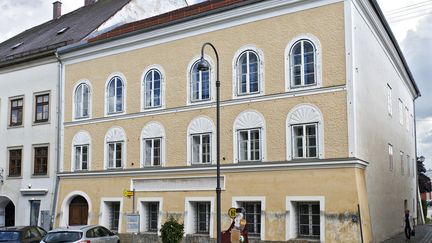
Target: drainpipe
{"points": [[416, 173], [59, 141]]}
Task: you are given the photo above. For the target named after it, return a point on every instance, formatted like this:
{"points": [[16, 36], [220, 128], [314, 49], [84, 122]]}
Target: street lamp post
{"points": [[204, 66]]}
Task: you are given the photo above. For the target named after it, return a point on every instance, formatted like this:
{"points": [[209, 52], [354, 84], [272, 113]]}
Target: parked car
{"points": [[81, 234], [22, 234]]}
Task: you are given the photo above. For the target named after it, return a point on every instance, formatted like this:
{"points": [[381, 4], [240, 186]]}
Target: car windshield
{"points": [[62, 236], [9, 235]]}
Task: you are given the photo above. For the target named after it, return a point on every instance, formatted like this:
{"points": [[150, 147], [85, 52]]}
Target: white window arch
{"points": [[81, 100], [115, 95], [81, 151], [201, 141], [200, 83], [249, 137], [248, 71], [115, 148], [152, 145], [305, 132], [153, 87], [303, 63]]}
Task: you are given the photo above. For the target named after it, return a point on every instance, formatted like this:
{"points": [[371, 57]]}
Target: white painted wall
{"points": [[26, 80], [374, 128]]}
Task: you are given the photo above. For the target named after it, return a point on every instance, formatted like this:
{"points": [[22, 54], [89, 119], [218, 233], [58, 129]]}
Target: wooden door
{"points": [[10, 214], [78, 211]]}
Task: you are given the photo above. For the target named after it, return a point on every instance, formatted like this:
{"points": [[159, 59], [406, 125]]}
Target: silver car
{"points": [[81, 234]]}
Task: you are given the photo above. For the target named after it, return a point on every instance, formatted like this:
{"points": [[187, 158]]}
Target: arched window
{"points": [[81, 151], [248, 73], [152, 145], [153, 89], [115, 149], [201, 141], [249, 137], [305, 133], [200, 83], [303, 64], [82, 101], [115, 95]]}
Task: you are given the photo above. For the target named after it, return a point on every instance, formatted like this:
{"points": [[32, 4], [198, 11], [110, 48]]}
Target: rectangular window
{"points": [[15, 159], [201, 148], [115, 155], [34, 212], [401, 110], [390, 151], [16, 112], [305, 141], [407, 116], [152, 152], [114, 215], [389, 100], [253, 217], [202, 217], [402, 162], [408, 165], [152, 212], [249, 143], [40, 161], [308, 222], [42, 108], [81, 157]]}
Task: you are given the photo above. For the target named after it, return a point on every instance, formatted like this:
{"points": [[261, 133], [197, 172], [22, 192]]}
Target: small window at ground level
{"points": [[308, 221], [253, 217], [202, 217]]}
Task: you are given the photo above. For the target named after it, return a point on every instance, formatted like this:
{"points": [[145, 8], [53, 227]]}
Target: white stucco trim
{"points": [[290, 217], [153, 130], [141, 209], [64, 213], [104, 215], [249, 119], [90, 102], [162, 86], [115, 134], [188, 217], [261, 70], [318, 61], [302, 114], [81, 138], [201, 124], [123, 78], [189, 80], [236, 203]]}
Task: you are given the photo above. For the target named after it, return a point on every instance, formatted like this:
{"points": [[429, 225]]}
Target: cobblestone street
{"points": [[423, 235]]}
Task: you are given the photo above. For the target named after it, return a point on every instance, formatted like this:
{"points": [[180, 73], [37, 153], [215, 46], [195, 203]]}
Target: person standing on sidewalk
{"points": [[407, 223]]}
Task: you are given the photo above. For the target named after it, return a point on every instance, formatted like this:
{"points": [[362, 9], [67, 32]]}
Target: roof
{"points": [[45, 38]]}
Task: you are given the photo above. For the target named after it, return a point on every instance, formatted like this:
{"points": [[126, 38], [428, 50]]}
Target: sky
{"points": [[410, 20]]}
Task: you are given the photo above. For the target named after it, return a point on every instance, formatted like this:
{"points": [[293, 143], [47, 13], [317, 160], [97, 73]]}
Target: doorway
{"points": [[78, 211]]}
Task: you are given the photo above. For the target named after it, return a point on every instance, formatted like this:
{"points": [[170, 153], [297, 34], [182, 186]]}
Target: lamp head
{"points": [[203, 65]]}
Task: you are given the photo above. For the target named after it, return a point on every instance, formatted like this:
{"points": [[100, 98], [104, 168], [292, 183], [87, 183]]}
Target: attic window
{"points": [[17, 45], [62, 30]]}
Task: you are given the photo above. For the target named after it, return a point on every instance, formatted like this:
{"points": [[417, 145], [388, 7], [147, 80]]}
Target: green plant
{"points": [[172, 231]]}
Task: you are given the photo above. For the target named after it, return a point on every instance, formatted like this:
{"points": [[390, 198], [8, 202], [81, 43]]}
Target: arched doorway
{"points": [[7, 212], [78, 211]]}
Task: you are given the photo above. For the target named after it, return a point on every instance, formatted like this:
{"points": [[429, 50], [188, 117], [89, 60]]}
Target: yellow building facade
{"points": [[139, 116]]}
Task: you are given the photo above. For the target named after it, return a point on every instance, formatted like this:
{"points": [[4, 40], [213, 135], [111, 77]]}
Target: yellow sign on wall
{"points": [[232, 213], [128, 193]]}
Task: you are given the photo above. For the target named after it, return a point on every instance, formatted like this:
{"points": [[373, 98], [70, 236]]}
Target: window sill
{"points": [[39, 176], [115, 113], [15, 126], [35, 123], [14, 177], [114, 168], [248, 95]]}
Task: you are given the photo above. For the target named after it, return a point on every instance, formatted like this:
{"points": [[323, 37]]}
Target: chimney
{"points": [[89, 2], [56, 9]]}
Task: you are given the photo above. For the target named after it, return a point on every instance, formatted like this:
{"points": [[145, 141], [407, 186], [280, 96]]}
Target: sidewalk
{"points": [[423, 235]]}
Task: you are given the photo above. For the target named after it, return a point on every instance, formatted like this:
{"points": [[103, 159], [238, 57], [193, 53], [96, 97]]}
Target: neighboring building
{"points": [[317, 134], [29, 108]]}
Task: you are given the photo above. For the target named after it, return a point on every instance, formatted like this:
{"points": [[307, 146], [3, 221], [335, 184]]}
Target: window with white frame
{"points": [[408, 165], [115, 148], [305, 218], [407, 123], [401, 110], [152, 144], [248, 73], [390, 152], [115, 95], [82, 101], [153, 89], [200, 141], [308, 221], [201, 148], [303, 64], [202, 217], [114, 215], [200, 83], [81, 151], [152, 151], [152, 214], [305, 140], [389, 100], [253, 217], [402, 162], [249, 144]]}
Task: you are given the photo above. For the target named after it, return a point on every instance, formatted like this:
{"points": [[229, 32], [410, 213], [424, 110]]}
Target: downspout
{"points": [[59, 130], [419, 212]]}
